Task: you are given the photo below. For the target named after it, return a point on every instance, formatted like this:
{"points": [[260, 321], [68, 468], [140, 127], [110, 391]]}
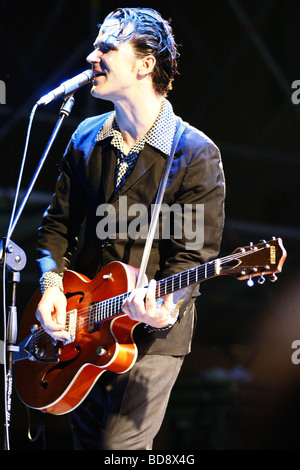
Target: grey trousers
{"points": [[125, 411]]}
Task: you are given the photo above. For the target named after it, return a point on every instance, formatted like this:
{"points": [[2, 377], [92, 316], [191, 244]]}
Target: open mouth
{"points": [[98, 73]]}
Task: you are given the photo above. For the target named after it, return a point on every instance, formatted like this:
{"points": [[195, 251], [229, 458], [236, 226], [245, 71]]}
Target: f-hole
{"points": [[72, 294]]}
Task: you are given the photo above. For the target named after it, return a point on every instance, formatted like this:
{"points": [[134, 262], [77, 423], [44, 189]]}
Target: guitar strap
{"points": [[158, 202]]}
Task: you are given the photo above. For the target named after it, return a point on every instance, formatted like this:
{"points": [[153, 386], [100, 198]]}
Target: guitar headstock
{"points": [[265, 258]]}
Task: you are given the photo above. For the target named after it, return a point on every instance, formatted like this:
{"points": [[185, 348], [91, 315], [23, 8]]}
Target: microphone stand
{"points": [[13, 259]]}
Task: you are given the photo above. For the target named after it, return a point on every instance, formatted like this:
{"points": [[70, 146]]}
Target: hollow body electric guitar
{"points": [[55, 377]]}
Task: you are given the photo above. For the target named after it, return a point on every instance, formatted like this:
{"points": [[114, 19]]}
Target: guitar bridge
{"points": [[71, 322]]}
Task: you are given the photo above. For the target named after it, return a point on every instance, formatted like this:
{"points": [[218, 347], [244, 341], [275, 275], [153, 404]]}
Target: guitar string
{"points": [[116, 302]]}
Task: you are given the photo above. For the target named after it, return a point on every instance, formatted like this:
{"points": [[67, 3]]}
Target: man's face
{"points": [[114, 64]]}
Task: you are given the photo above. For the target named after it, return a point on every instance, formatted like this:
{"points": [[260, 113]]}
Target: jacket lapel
{"points": [[151, 163], [108, 171]]}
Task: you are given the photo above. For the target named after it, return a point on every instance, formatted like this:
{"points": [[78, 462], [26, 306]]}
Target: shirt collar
{"points": [[160, 136]]}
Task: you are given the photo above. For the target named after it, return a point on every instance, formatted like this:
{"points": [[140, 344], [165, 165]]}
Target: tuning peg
{"points": [[273, 277], [261, 280], [250, 282]]}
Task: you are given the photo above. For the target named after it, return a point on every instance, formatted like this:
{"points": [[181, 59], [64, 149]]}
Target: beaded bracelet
{"points": [[51, 279]]}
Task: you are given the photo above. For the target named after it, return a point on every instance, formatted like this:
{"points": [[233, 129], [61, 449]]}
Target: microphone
{"points": [[67, 87]]}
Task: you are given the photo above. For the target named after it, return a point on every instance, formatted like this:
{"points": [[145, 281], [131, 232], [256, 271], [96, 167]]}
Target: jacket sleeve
{"points": [[62, 221], [64, 218]]}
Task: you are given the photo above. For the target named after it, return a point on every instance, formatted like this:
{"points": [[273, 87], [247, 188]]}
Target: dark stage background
{"points": [[238, 389]]}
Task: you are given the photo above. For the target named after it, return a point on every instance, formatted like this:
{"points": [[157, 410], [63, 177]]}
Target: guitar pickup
{"points": [[93, 317], [71, 323]]}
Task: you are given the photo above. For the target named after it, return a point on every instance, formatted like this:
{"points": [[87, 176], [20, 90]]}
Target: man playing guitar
{"points": [[123, 153]]}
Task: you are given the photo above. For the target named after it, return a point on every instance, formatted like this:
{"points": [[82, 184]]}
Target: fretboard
{"points": [[106, 309], [186, 278]]}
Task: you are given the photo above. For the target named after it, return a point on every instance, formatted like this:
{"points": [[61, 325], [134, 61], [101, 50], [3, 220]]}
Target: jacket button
{"points": [[105, 244]]}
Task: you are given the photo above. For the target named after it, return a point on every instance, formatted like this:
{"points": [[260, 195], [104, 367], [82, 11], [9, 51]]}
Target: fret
{"points": [[95, 312], [159, 289], [99, 311], [109, 310], [111, 307], [163, 287], [201, 270], [106, 309], [184, 282], [103, 308], [217, 266]]}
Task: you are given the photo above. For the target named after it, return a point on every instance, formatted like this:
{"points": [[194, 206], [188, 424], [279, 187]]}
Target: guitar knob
{"points": [[250, 282], [101, 351], [107, 276], [261, 280], [34, 328]]}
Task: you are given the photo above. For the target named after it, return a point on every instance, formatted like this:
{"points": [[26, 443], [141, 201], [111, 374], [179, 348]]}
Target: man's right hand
{"points": [[51, 313]]}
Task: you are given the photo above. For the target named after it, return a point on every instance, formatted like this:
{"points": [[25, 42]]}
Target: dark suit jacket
{"points": [[86, 182]]}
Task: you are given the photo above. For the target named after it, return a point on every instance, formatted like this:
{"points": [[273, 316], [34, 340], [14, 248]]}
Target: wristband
{"points": [[51, 279], [173, 317]]}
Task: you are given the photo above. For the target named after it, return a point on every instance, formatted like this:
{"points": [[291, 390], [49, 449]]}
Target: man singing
{"points": [[123, 153]]}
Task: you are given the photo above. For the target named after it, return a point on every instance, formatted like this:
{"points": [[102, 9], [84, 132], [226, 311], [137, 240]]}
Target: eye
{"points": [[104, 47]]}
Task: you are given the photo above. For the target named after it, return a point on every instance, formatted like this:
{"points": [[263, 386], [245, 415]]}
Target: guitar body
{"points": [[59, 386]]}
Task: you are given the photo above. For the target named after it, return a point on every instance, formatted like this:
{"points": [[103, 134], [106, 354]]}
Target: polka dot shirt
{"points": [[159, 136]]}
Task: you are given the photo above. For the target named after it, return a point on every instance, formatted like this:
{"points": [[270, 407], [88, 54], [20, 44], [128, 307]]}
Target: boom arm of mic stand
{"points": [[14, 259], [65, 110]]}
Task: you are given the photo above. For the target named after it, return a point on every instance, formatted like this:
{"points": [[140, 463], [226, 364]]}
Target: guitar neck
{"points": [[243, 263], [187, 278], [108, 308]]}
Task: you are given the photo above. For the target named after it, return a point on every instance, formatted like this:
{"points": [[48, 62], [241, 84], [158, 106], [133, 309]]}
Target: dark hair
{"points": [[150, 34]]}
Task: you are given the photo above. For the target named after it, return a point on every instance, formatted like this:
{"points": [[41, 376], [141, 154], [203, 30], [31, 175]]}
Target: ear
{"points": [[146, 65]]}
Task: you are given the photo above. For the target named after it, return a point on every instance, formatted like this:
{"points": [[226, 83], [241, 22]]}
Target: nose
{"points": [[94, 56]]}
